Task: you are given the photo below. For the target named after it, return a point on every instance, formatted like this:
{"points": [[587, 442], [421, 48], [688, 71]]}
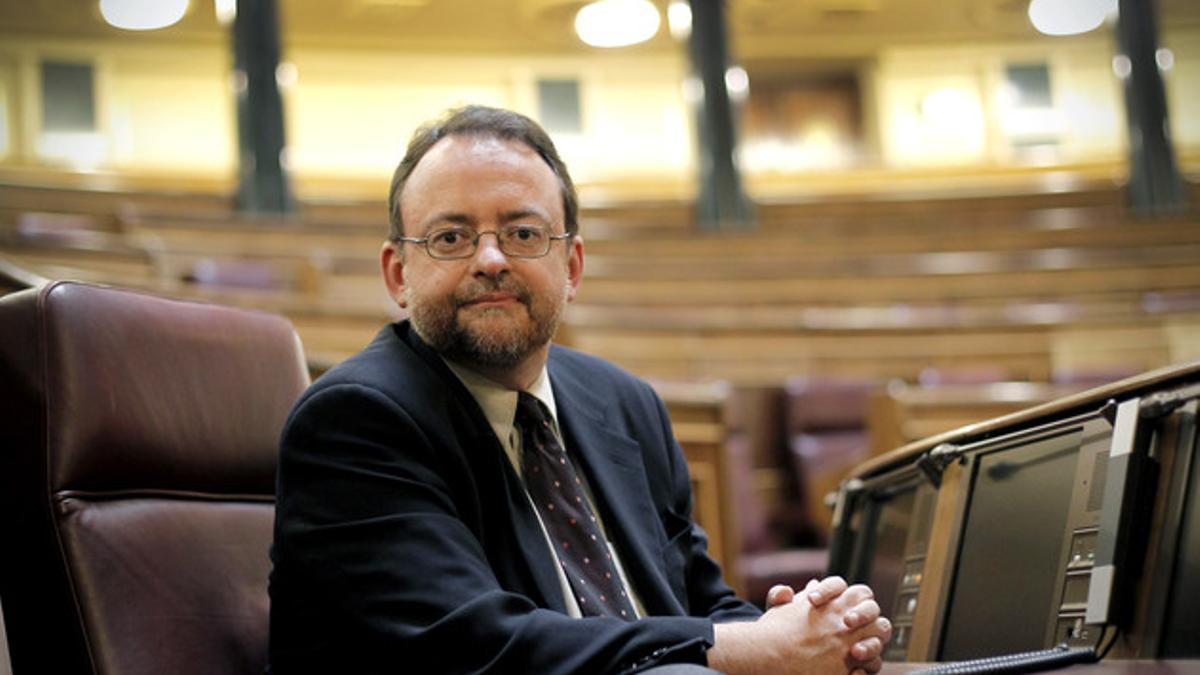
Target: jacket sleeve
{"points": [[377, 567]]}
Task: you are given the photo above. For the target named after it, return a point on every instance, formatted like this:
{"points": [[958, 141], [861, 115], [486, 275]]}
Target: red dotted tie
{"points": [[557, 492]]}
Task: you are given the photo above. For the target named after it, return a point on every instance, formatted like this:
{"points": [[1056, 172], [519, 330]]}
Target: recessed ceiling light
{"points": [[1070, 17], [679, 19], [226, 11], [617, 23], [142, 14]]}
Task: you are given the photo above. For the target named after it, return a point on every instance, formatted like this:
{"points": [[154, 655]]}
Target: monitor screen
{"points": [[1013, 533], [892, 522]]}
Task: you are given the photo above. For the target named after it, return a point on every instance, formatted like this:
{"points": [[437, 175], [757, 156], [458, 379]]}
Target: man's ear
{"points": [[574, 267], [391, 262]]}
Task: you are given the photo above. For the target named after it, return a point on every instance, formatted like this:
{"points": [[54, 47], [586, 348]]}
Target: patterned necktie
{"points": [[557, 491]]}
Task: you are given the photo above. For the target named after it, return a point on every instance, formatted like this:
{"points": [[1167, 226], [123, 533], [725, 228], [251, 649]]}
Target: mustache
{"points": [[485, 285]]}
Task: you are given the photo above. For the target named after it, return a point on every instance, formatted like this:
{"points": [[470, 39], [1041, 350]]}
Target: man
{"points": [[463, 497]]}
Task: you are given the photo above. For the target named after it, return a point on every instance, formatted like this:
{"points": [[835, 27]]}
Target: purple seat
{"points": [[137, 479], [778, 541], [1093, 377], [933, 377], [826, 419]]}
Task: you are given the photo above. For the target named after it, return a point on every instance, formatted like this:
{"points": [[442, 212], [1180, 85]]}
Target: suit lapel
{"points": [[534, 561], [502, 494], [619, 484]]}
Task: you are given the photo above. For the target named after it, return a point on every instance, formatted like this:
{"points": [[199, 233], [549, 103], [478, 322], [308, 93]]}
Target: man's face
{"points": [[489, 310]]}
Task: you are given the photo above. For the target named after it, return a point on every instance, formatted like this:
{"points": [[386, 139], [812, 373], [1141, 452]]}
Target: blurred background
{"points": [[822, 228], [828, 93]]}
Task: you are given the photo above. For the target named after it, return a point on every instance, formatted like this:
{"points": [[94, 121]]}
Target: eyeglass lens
{"points": [[528, 241]]}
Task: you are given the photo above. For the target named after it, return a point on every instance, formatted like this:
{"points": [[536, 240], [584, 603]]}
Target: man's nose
{"points": [[488, 256]]}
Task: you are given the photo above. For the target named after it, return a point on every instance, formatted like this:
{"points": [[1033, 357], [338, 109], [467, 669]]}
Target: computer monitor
{"points": [[1012, 535], [886, 534], [1043, 533], [1077, 523]]}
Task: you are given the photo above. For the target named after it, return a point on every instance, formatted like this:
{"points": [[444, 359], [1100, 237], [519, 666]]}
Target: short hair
{"points": [[483, 121]]}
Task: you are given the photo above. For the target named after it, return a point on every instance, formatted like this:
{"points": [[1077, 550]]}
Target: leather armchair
{"points": [[137, 479]]}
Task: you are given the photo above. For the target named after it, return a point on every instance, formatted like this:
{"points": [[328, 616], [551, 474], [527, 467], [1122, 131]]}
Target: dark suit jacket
{"points": [[404, 541]]}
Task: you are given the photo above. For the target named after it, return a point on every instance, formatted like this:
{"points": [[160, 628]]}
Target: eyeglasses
{"points": [[516, 241]]}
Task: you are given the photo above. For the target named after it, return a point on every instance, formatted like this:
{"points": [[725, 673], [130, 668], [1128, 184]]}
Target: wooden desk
{"points": [[697, 417], [901, 413]]}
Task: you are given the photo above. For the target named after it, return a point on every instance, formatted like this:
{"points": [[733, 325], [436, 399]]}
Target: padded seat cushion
{"points": [[137, 479]]}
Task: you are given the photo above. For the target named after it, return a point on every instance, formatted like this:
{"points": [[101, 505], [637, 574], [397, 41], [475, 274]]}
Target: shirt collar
{"points": [[499, 403]]}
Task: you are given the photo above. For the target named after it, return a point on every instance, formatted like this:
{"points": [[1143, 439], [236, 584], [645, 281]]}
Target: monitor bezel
{"points": [[1091, 428]]}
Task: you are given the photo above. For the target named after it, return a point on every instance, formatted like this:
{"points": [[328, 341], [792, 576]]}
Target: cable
{"points": [[1010, 664], [1103, 652]]}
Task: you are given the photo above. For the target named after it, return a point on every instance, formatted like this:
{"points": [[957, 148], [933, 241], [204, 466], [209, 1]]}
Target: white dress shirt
{"points": [[499, 405]]}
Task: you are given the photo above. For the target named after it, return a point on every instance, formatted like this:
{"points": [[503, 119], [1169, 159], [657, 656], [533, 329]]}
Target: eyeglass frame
{"points": [[477, 235]]}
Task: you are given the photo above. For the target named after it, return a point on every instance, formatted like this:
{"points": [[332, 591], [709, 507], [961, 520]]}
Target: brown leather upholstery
{"points": [[777, 545], [826, 423], [137, 479], [765, 560]]}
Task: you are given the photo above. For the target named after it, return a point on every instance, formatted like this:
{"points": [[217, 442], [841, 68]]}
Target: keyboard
{"points": [[1023, 662]]}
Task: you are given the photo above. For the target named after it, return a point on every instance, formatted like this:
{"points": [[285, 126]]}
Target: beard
{"points": [[488, 338]]}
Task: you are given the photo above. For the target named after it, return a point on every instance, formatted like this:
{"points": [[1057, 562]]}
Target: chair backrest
{"points": [[826, 420], [137, 479]]}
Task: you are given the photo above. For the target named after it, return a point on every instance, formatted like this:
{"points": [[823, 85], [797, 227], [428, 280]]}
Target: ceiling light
{"points": [[1070, 17], [142, 14], [226, 11], [693, 90], [737, 83], [679, 19], [1165, 58], [286, 75], [617, 23], [1122, 66]]}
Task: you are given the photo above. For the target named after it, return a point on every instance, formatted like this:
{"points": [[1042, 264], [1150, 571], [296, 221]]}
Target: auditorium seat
{"points": [[232, 274], [1086, 377], [137, 481], [764, 560], [15, 278], [783, 539], [826, 418], [933, 376]]}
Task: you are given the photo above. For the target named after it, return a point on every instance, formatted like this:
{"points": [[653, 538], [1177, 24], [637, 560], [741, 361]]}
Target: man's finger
{"points": [[828, 589], [866, 650], [883, 628], [861, 614], [871, 667], [780, 595], [859, 592]]}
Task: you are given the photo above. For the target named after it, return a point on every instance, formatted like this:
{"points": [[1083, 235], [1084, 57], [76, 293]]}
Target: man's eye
{"points": [[525, 233], [447, 237]]}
